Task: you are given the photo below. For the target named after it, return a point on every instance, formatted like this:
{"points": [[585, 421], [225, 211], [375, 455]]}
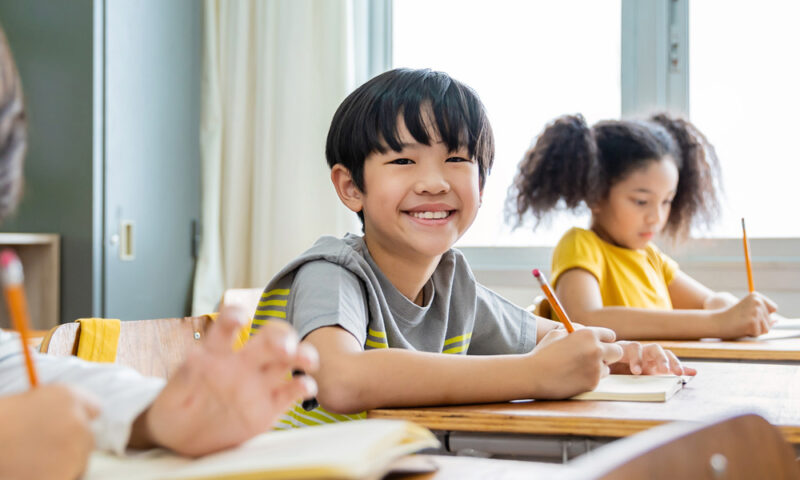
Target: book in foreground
{"points": [[636, 388], [349, 450]]}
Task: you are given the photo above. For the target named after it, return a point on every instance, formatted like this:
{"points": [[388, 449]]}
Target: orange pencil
{"points": [[747, 259], [18, 308], [554, 303]]}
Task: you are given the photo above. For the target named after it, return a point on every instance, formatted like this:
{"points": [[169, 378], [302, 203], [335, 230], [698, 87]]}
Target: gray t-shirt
{"points": [[336, 282]]}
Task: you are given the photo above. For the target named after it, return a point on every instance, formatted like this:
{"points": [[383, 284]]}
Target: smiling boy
{"points": [[396, 314]]}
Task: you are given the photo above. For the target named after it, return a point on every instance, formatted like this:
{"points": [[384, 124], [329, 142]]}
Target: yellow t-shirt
{"points": [[628, 278]]}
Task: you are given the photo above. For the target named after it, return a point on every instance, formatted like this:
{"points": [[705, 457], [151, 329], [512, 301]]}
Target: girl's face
{"points": [[637, 207]]}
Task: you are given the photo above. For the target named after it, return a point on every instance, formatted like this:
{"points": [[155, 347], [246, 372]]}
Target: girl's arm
{"points": [[687, 293], [579, 292]]}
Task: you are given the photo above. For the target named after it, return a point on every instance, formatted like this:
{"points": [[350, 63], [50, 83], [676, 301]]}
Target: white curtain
{"points": [[274, 72]]}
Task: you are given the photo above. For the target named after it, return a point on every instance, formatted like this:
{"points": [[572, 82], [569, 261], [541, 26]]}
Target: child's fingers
{"points": [[306, 359], [633, 355], [220, 336], [774, 318], [764, 324], [655, 359], [275, 344], [674, 364], [552, 336], [286, 394], [611, 353], [605, 335], [771, 306]]}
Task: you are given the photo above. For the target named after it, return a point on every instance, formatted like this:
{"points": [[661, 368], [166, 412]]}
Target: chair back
{"points": [[741, 447], [541, 307], [153, 347]]}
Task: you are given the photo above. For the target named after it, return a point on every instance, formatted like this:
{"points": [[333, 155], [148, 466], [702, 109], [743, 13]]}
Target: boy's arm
{"points": [[579, 292], [352, 380]]}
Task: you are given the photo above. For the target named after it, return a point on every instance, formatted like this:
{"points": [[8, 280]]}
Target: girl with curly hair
{"points": [[639, 178]]}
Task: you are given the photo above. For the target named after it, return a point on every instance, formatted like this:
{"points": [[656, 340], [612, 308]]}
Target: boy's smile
{"points": [[431, 214]]}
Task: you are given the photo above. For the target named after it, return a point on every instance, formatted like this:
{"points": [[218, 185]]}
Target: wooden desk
{"points": [[719, 388], [782, 350]]}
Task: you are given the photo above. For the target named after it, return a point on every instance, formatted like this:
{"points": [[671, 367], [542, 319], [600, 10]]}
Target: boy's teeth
{"points": [[439, 214]]}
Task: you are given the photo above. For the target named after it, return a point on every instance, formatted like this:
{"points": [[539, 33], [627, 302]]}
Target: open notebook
{"points": [[635, 388], [787, 324], [348, 450], [776, 334]]}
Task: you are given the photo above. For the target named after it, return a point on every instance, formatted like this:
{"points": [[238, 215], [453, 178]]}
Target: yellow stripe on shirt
{"points": [[457, 349], [271, 313], [374, 344], [277, 291], [277, 303], [377, 334], [458, 338]]}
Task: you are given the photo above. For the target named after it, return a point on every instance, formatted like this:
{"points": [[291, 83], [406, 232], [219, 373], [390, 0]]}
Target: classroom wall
{"points": [[113, 99], [52, 44]]}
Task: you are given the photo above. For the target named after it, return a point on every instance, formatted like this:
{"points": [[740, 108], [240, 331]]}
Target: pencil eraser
{"points": [[536, 272], [7, 257]]}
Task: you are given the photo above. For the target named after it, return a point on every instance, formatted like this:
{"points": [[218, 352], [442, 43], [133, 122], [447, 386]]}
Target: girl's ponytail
{"points": [[695, 201], [562, 164]]}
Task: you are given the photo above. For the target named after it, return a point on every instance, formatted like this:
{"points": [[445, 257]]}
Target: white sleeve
{"points": [[122, 392]]}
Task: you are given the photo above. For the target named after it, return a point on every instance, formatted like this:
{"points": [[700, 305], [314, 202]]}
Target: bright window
{"points": [[530, 62], [744, 76]]}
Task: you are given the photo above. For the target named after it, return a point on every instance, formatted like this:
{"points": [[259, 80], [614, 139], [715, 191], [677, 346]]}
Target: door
{"points": [[152, 68]]}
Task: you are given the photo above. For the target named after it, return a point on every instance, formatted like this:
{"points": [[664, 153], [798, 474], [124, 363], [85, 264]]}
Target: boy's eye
{"points": [[640, 203], [401, 161], [459, 159]]}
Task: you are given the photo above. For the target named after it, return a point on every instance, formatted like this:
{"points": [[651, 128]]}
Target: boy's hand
{"points": [[218, 398], [564, 364], [750, 317], [45, 433], [648, 359]]}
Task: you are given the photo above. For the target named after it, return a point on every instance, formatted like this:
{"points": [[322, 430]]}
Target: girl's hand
{"points": [[750, 317], [649, 359], [564, 365]]}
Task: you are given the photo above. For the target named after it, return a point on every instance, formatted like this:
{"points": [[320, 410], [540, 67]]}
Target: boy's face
{"points": [[419, 201]]}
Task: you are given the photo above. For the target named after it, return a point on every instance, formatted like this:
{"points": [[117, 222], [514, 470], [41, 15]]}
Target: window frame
{"points": [[654, 76]]}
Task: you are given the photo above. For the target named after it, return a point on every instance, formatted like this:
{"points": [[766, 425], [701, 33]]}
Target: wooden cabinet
{"points": [[39, 253]]}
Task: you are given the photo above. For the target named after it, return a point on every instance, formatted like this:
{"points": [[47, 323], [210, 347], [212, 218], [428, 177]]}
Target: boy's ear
{"points": [[346, 188]]}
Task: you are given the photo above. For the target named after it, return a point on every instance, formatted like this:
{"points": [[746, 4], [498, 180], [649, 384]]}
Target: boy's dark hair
{"points": [[366, 121], [13, 135], [577, 164]]}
